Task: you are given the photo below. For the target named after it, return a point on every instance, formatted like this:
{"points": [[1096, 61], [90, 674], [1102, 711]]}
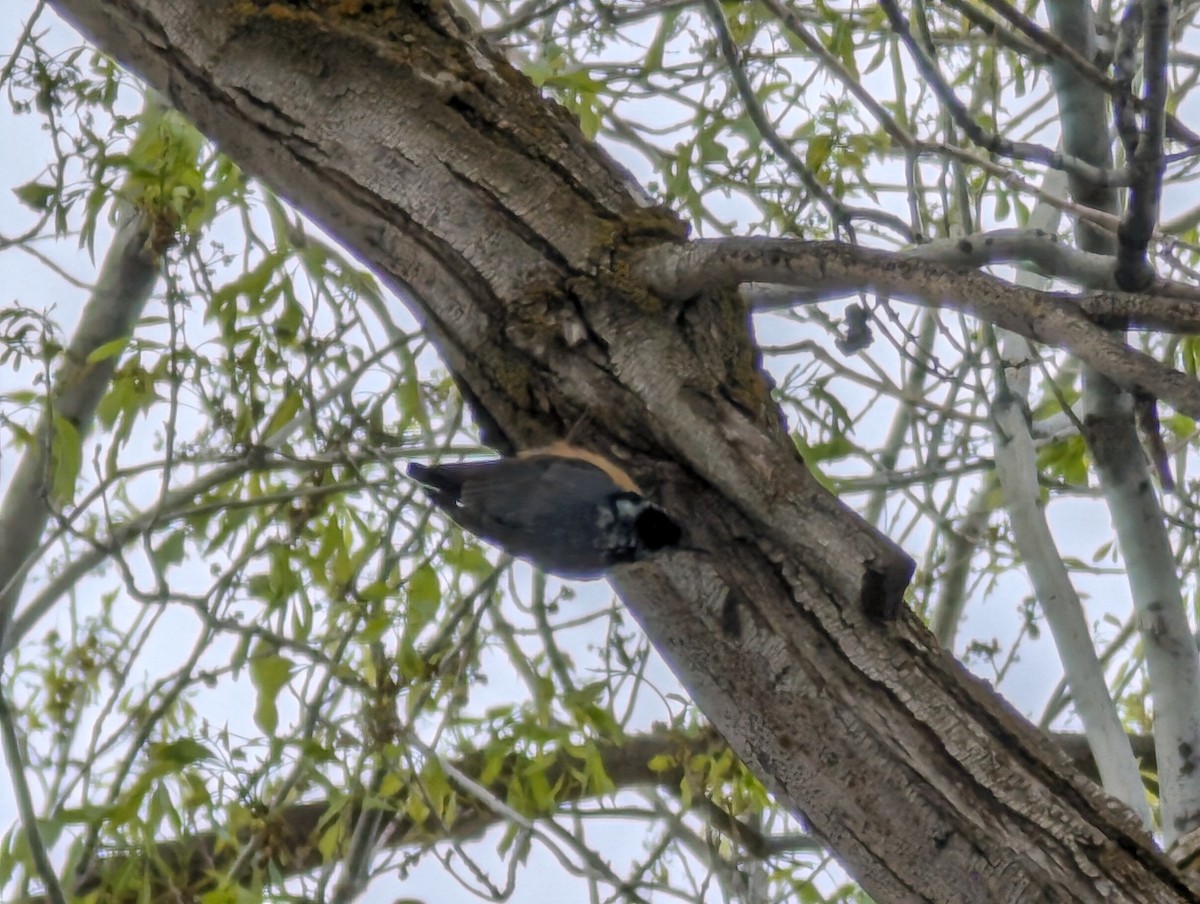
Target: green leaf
{"points": [[408, 392], [171, 550], [467, 556], [424, 597], [315, 752], [509, 836], [35, 196], [251, 285], [287, 325], [842, 44], [178, 754], [1003, 207], [1067, 458], [108, 350], [598, 779], [330, 841], [393, 783], [269, 672], [85, 814], [374, 627], [376, 591], [283, 414], [438, 792], [230, 521], [415, 808], [661, 762], [813, 467], [495, 759], [653, 60], [1180, 425], [540, 792], [224, 895], [282, 579], [837, 447], [1189, 353], [67, 453]]}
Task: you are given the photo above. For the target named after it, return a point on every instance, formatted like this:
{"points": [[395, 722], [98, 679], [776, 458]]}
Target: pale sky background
{"points": [[1081, 525]]}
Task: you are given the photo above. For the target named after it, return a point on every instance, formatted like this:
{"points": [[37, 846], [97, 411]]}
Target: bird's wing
{"points": [[532, 492]]}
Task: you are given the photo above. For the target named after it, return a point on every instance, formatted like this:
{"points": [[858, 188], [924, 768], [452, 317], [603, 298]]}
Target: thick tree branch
{"points": [[125, 283], [1111, 435], [682, 271], [1037, 247], [288, 837], [1125, 67], [1017, 473]]}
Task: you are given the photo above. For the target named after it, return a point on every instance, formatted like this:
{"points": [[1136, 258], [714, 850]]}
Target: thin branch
{"points": [[841, 215], [1101, 220], [1134, 271], [1060, 697], [850, 80], [990, 141], [1060, 50], [898, 433], [1016, 468], [993, 32], [1129, 34], [14, 55], [120, 535], [29, 820], [523, 17], [952, 598]]}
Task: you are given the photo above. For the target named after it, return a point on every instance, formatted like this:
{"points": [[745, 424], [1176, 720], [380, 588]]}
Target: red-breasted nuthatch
{"points": [[571, 512]]}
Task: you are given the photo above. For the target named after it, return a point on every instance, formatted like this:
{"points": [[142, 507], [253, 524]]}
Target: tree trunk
{"points": [[440, 166]]}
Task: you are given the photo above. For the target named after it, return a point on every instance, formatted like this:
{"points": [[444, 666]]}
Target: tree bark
{"points": [[439, 165]]}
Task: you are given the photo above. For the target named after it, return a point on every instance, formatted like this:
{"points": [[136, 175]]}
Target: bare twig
{"points": [[841, 215], [990, 141]]}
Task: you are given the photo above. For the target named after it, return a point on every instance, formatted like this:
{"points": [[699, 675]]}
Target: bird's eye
{"points": [[657, 530]]}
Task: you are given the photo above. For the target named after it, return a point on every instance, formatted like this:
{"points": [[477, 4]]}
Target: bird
{"points": [[570, 511]]}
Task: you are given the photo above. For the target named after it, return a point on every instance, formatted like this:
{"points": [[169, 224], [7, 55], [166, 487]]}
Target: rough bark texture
{"points": [[440, 166]]}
